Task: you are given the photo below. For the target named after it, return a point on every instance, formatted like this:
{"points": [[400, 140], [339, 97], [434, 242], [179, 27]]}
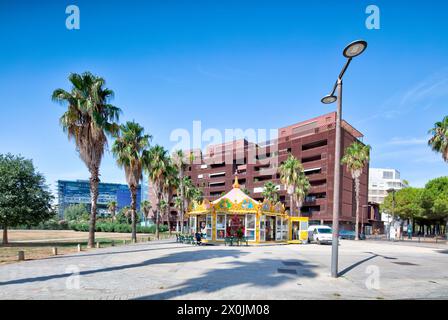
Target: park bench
{"points": [[243, 240], [229, 241]]}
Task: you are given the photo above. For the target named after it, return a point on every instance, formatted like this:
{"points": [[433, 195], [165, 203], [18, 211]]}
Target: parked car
{"points": [[320, 234], [350, 235]]}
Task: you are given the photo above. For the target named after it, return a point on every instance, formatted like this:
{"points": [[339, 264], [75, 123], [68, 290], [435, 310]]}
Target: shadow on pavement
{"points": [[179, 257], [260, 273]]}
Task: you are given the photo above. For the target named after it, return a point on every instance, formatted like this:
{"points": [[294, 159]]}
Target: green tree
{"points": [[129, 150], [246, 191], [293, 177], [146, 208], [76, 212], [24, 197], [356, 156], [181, 161], [169, 186], [435, 199], [155, 164], [270, 192], [439, 140], [112, 207], [88, 120], [124, 216], [407, 204]]}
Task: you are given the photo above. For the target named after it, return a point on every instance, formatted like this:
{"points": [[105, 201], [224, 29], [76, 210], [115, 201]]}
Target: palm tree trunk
{"points": [[133, 212], [5, 233], [94, 181], [291, 200], [357, 208], [157, 222]]}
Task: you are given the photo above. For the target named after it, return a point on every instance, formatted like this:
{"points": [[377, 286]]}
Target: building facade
{"points": [[312, 142], [381, 180], [78, 192]]}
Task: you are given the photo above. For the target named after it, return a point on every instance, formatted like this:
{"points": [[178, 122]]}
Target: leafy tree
{"points": [[129, 149], [24, 197], [124, 216], [76, 212], [270, 192], [439, 140], [435, 200], [355, 158], [88, 120], [169, 186], [146, 208], [407, 204], [246, 191]]}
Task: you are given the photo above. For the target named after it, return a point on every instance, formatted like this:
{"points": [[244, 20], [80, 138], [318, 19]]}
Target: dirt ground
{"points": [[39, 244]]}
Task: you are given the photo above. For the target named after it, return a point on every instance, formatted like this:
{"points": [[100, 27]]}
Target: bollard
{"points": [[98, 245], [55, 251], [112, 243], [133, 241], [79, 248], [124, 241], [21, 255]]}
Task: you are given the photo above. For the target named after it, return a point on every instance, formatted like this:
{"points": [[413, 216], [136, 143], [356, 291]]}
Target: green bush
{"points": [[114, 227]]}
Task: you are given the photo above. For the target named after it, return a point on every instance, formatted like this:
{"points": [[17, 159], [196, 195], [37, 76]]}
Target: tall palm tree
{"points": [[270, 192], [302, 188], [146, 208], [293, 177], [178, 205], [112, 207], [129, 149], [439, 139], [181, 161], [356, 156], [169, 186], [89, 119], [155, 164]]}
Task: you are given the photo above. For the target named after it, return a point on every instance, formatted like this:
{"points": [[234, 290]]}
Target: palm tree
{"points": [[293, 177], [355, 158], [178, 205], [112, 207], [181, 162], [155, 165], [439, 139], [129, 149], [270, 192], [169, 186], [89, 119], [146, 208], [302, 188]]}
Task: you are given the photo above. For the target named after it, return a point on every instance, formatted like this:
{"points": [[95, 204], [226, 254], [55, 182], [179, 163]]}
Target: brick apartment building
{"points": [[313, 142]]}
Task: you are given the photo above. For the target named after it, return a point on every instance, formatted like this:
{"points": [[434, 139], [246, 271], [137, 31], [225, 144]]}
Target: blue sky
{"points": [[230, 64]]}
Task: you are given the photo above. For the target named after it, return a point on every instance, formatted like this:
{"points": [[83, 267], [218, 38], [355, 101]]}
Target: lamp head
{"points": [[328, 99], [355, 48]]}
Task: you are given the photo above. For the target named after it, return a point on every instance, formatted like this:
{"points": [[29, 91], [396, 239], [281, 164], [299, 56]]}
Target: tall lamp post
{"points": [[391, 191], [354, 49]]}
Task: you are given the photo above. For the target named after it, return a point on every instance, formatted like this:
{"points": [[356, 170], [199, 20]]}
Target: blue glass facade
{"points": [[76, 192]]}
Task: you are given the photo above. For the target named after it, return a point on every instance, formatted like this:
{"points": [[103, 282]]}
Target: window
{"points": [[209, 226], [388, 175], [220, 226], [250, 227], [263, 228]]}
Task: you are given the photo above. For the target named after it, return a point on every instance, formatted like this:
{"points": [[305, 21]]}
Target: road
{"points": [[168, 270]]}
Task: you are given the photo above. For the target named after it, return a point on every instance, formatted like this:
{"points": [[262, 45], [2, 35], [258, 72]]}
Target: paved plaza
{"points": [[168, 270]]}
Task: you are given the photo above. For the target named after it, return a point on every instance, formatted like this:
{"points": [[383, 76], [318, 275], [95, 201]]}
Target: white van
{"points": [[320, 234]]}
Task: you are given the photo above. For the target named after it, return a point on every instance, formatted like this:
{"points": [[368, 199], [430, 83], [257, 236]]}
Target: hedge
{"points": [[115, 227]]}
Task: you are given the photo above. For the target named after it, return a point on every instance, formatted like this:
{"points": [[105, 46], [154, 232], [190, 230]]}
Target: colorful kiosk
{"points": [[237, 213]]}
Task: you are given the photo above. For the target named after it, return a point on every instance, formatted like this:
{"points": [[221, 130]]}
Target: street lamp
{"points": [[391, 191], [354, 49]]}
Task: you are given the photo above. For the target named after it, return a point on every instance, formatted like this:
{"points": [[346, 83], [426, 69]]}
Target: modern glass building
{"points": [[76, 192]]}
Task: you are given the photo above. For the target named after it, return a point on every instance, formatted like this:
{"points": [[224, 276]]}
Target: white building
{"points": [[381, 180]]}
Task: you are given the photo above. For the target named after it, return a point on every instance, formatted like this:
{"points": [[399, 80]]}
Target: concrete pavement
{"points": [[167, 270]]}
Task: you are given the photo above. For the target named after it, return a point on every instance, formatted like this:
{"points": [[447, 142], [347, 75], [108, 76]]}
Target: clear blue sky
{"points": [[230, 64]]}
